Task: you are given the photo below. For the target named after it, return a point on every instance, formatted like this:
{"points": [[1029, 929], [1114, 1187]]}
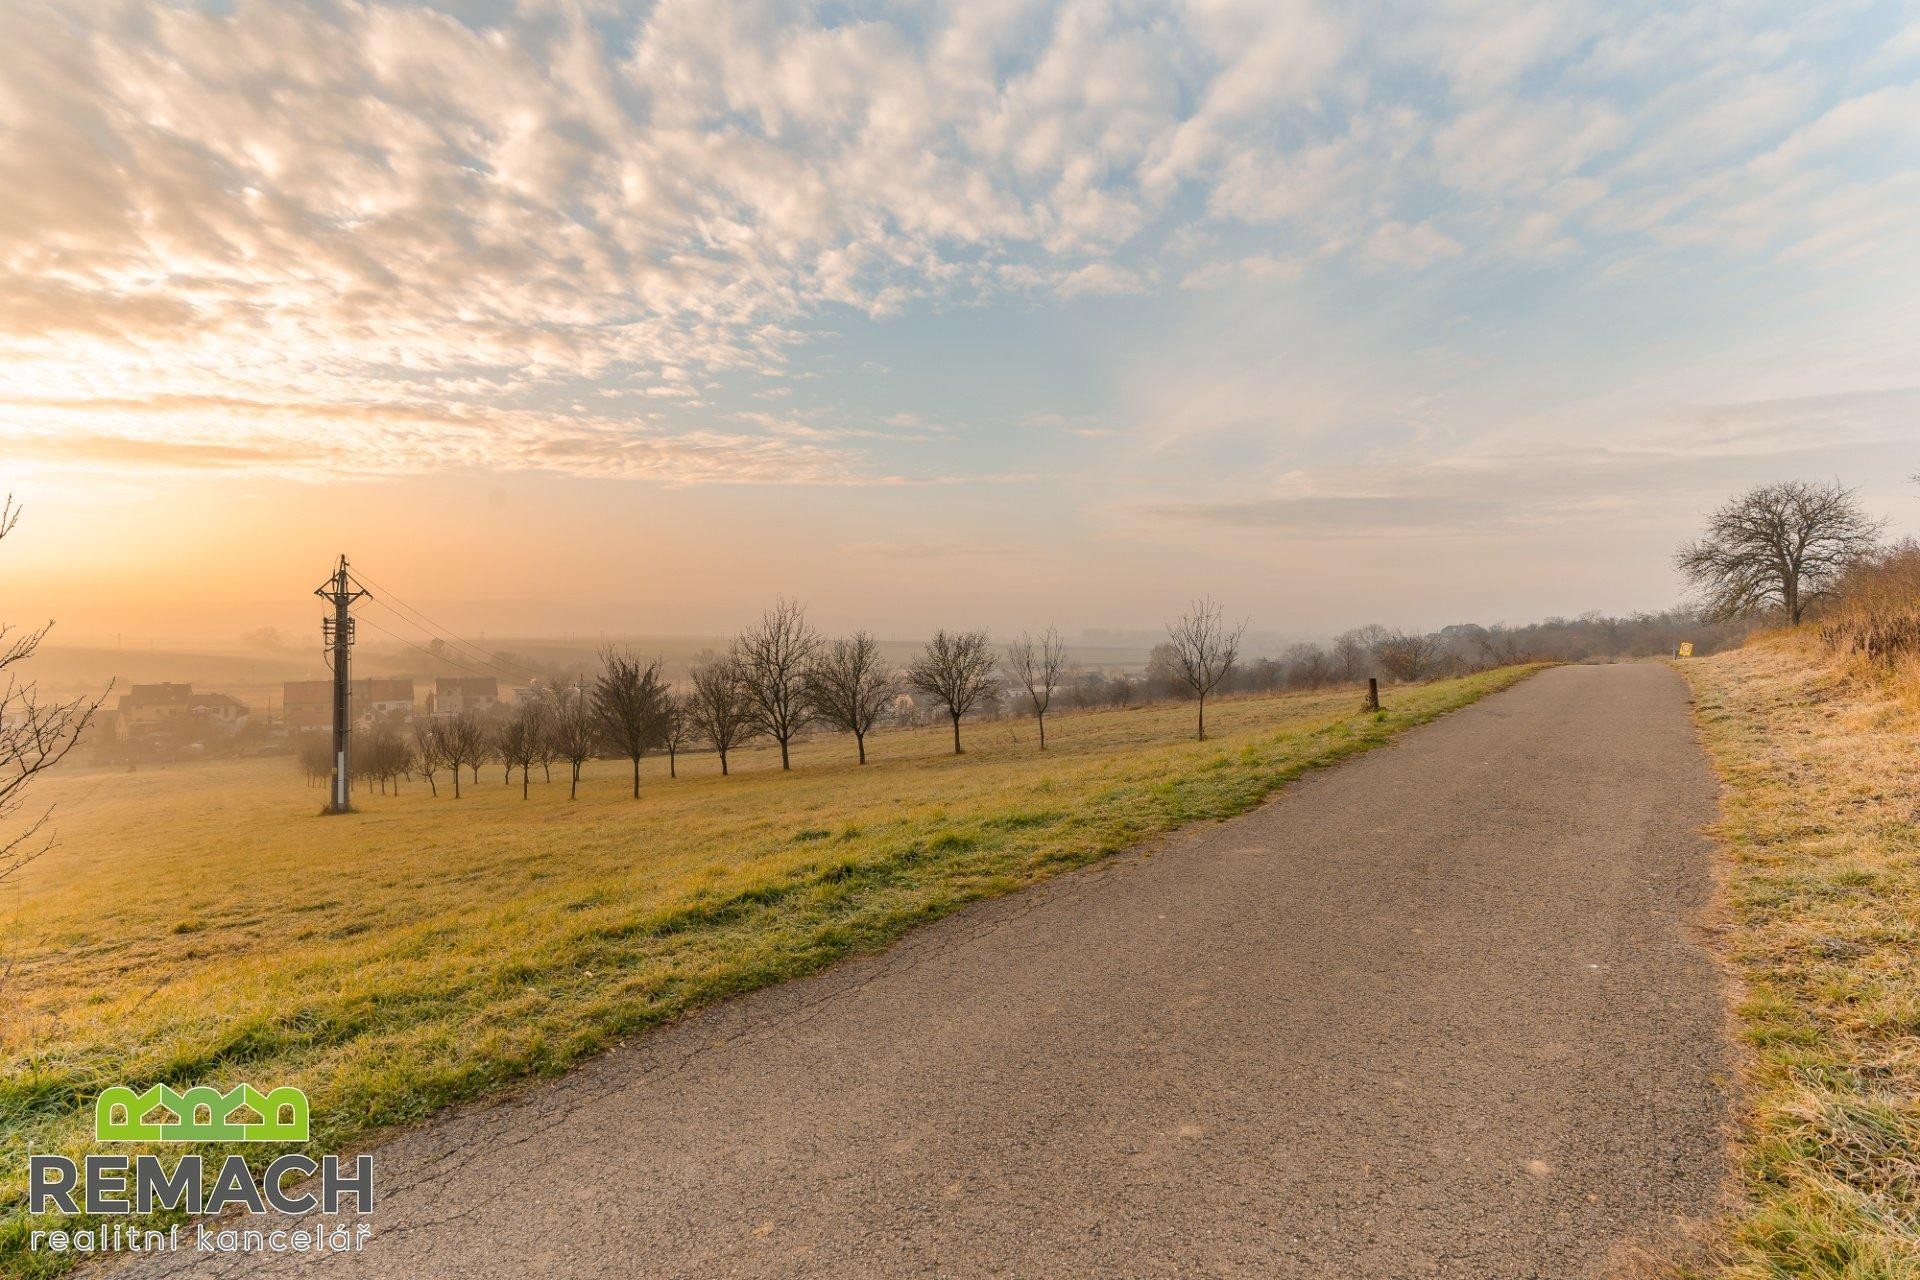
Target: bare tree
{"points": [[464, 741], [34, 735], [956, 671], [1309, 667], [850, 686], [540, 700], [382, 757], [1162, 677], [1499, 646], [316, 758], [549, 750], [1405, 656], [676, 722], [1204, 649], [1038, 667], [518, 741], [1353, 650], [572, 731], [629, 705], [774, 655], [1777, 546], [429, 753], [719, 708], [396, 756]]}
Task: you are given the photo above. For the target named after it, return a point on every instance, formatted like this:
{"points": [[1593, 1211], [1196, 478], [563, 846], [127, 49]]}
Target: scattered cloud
{"points": [[381, 237], [934, 551], [1395, 244], [1256, 269], [386, 444], [1082, 425]]}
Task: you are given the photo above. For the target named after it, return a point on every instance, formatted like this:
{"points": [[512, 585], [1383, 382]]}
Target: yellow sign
{"points": [[1685, 650]]}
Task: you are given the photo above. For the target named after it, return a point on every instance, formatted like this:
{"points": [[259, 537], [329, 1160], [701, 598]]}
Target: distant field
{"points": [[255, 675], [202, 924]]}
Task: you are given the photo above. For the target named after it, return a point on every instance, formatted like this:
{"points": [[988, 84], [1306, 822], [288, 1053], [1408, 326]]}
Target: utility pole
{"points": [[337, 635]]}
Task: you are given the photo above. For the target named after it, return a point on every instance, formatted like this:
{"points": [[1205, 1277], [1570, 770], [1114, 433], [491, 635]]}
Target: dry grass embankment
{"points": [[1820, 756], [202, 925], [1874, 621]]}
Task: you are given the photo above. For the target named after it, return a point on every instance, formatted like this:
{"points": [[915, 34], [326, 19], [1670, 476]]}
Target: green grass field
{"points": [[202, 924]]}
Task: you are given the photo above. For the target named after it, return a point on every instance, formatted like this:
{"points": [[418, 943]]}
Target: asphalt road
{"points": [[1442, 1011]]}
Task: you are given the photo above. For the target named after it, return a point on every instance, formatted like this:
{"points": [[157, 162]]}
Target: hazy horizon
{"points": [[629, 318]]}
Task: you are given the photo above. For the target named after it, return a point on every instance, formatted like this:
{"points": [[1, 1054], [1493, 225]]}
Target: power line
{"points": [[394, 604], [468, 650], [437, 657], [424, 622], [453, 657], [427, 626]]}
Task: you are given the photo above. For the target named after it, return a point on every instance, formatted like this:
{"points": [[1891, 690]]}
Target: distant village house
{"points": [[453, 695], [149, 709], [309, 703]]}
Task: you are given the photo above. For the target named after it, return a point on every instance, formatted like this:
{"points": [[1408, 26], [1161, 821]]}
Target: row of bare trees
{"points": [[780, 676], [776, 679]]}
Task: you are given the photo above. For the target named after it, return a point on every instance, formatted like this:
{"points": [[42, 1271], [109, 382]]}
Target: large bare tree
{"points": [[1038, 666], [629, 704], [850, 686], [1777, 546], [35, 735], [774, 655], [1204, 650], [572, 731], [956, 670], [719, 707]]}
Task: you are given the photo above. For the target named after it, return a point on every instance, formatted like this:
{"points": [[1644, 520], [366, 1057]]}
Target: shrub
{"points": [[1874, 614], [1406, 657]]}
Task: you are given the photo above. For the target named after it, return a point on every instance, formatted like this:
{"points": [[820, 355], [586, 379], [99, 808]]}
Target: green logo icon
{"points": [[163, 1114]]}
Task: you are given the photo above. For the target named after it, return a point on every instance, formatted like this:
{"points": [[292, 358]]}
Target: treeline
{"points": [[1391, 654]]}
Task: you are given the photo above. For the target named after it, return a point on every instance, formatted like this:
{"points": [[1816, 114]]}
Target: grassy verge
{"points": [[201, 926], [1821, 806]]}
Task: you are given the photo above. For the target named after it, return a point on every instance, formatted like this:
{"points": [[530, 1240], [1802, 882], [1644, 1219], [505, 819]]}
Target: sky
{"points": [[574, 316]]}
